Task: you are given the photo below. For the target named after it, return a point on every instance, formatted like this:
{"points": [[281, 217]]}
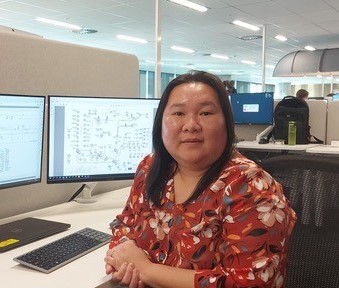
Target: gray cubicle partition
{"points": [[333, 121], [318, 118], [33, 65]]}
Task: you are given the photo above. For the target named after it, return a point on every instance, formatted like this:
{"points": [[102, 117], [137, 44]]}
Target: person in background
{"points": [[229, 86], [199, 213], [302, 94]]}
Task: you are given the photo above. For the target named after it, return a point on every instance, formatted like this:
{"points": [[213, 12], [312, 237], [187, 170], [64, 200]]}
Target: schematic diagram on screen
{"points": [[109, 138]]}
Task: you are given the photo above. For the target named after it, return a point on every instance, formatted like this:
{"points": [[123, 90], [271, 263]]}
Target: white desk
{"points": [[253, 145], [324, 149], [85, 272]]}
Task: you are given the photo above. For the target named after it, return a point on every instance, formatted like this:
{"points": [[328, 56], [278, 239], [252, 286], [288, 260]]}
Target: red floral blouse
{"points": [[235, 234]]}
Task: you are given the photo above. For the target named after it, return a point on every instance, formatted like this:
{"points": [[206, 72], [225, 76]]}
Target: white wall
{"points": [[36, 66]]}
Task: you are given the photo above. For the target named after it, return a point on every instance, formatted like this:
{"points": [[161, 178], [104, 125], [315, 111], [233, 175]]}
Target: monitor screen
{"points": [[21, 139], [253, 108], [335, 97], [98, 138]]}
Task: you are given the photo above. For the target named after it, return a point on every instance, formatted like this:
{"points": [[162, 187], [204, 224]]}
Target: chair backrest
{"points": [[312, 185]]}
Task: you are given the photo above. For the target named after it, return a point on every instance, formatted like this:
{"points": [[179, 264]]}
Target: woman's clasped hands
{"points": [[124, 262]]}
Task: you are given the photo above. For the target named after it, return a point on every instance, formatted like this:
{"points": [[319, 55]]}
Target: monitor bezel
{"points": [[86, 178], [39, 179], [254, 123]]}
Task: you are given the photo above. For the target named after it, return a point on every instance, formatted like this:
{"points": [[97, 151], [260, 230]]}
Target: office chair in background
{"points": [[311, 183]]}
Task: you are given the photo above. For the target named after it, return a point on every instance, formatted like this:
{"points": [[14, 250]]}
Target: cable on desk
{"points": [[77, 193]]}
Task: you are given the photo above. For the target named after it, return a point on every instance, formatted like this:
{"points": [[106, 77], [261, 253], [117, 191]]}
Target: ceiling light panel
{"points": [[248, 62], [182, 49], [223, 57], [309, 48], [133, 39], [246, 25], [58, 23], [280, 38], [190, 4]]}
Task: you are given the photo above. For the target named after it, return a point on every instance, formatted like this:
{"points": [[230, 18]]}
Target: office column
{"points": [[157, 78], [263, 63]]}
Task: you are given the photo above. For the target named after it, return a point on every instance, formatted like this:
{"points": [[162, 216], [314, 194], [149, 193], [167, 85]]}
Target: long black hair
{"points": [[162, 167]]}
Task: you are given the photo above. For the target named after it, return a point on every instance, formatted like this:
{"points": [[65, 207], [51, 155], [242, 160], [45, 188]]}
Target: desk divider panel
{"points": [[33, 65], [318, 118], [333, 121]]}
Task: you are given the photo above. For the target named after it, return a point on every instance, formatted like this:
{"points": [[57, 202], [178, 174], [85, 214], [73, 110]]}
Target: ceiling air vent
{"points": [[85, 31], [250, 37]]}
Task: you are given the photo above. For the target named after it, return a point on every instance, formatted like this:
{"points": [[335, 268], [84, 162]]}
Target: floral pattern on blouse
{"points": [[235, 234]]}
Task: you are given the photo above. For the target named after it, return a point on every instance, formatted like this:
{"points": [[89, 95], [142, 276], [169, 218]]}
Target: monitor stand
{"points": [[264, 133], [86, 194]]}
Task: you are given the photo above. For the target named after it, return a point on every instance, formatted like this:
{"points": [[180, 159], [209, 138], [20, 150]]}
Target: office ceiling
{"points": [[303, 22]]}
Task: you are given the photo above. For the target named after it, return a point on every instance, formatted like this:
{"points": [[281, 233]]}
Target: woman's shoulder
{"points": [[241, 169], [247, 167], [240, 161]]}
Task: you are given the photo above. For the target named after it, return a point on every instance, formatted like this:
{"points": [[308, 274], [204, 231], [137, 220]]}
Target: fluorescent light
{"points": [[188, 66], [153, 62], [280, 38], [310, 48], [270, 66], [130, 38], [191, 5], [58, 23], [224, 57], [246, 25], [182, 49], [248, 62]]}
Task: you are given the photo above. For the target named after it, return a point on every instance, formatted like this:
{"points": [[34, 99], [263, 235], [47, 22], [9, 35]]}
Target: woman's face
{"points": [[193, 126]]}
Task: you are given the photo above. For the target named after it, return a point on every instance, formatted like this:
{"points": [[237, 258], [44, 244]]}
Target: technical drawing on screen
{"points": [[21, 139], [94, 139]]}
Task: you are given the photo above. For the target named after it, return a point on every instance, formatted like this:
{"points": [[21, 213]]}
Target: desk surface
{"points": [[85, 272], [324, 149], [254, 145]]}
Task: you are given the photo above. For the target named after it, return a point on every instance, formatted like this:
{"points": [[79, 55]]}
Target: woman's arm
{"points": [[123, 225], [154, 275], [123, 230]]}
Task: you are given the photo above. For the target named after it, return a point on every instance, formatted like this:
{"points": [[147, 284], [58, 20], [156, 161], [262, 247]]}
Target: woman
{"points": [[199, 213]]}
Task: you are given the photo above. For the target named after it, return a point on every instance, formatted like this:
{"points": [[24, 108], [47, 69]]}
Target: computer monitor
{"points": [[335, 97], [21, 139], [94, 139], [253, 108]]}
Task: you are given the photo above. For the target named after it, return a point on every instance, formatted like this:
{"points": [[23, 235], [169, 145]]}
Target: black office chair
{"points": [[312, 185]]}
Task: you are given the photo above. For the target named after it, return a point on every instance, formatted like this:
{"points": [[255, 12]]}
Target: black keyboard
{"points": [[56, 254]]}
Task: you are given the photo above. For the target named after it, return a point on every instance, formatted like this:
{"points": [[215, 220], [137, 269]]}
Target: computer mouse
{"points": [[263, 141]]}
